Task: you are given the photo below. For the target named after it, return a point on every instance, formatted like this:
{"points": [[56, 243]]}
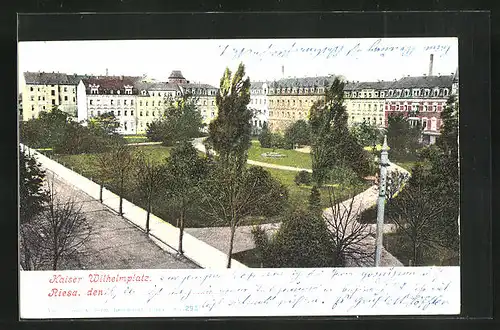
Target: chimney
{"points": [[431, 63], [106, 71], [283, 71]]}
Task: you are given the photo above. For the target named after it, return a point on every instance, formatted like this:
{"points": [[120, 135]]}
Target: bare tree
{"points": [[149, 177], [104, 173], [348, 234], [56, 234], [417, 213], [122, 161], [228, 199]]}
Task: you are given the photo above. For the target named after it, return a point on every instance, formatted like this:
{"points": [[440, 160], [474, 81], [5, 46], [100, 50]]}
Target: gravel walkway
{"points": [[115, 243]]}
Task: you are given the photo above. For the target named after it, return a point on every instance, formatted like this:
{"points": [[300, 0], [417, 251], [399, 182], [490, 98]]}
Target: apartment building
{"points": [[137, 101], [421, 100], [365, 102], [291, 99], [259, 104], [44, 90]]}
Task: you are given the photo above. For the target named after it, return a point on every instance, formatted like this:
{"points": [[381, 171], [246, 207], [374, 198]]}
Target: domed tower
{"points": [[176, 77]]}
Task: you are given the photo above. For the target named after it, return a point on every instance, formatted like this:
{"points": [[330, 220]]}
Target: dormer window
{"points": [[445, 92], [436, 92], [143, 93], [128, 89], [118, 92], [407, 92], [94, 89]]}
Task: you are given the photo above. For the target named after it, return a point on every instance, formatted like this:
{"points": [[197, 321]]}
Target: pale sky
{"points": [[367, 59]]}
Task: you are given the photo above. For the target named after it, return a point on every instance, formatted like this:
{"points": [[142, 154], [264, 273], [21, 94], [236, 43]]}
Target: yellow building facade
{"points": [[291, 99], [365, 102], [43, 90]]}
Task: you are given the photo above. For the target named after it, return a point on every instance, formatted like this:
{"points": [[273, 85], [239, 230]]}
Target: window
{"points": [[65, 89], [119, 113], [153, 114], [159, 103], [436, 92], [146, 103], [125, 112], [445, 92], [140, 113], [124, 102], [39, 98], [65, 98], [153, 103], [147, 113], [32, 108], [112, 102], [91, 102], [91, 113], [140, 103], [118, 92], [131, 112], [98, 112], [53, 102], [31, 89], [434, 108], [74, 99], [43, 107], [32, 98], [52, 92], [212, 102], [131, 102], [113, 112], [433, 123]]}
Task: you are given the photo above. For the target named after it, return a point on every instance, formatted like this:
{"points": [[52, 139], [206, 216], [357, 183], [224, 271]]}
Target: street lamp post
{"points": [[384, 163]]}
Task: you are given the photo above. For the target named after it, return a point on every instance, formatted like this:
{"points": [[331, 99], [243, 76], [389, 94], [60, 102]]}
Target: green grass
{"points": [[136, 138], [407, 165], [299, 195], [292, 158], [86, 164]]}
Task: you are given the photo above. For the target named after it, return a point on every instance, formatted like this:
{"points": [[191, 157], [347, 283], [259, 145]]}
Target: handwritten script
{"points": [[380, 47], [255, 292]]}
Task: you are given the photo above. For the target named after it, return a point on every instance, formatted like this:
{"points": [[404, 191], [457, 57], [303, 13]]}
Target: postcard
{"points": [[239, 177]]}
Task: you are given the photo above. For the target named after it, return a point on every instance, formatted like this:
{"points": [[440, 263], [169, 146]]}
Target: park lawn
{"points": [[407, 165], [136, 138], [292, 158], [299, 195], [86, 164]]}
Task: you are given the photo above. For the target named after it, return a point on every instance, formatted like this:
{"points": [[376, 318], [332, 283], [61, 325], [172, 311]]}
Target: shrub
{"points": [[303, 177]]}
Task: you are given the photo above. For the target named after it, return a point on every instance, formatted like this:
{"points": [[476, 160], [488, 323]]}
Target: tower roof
{"points": [[176, 74]]}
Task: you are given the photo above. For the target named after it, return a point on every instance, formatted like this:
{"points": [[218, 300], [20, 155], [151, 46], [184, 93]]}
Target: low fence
{"points": [[163, 234]]}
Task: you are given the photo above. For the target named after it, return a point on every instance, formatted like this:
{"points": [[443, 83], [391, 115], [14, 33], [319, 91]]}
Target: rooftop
{"points": [[52, 78]]}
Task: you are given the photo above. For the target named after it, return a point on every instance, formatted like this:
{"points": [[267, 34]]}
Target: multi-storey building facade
{"points": [[365, 102], [116, 95], [136, 102], [291, 99], [259, 105], [421, 100], [43, 90]]}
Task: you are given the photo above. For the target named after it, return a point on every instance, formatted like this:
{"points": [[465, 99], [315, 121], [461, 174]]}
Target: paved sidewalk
{"points": [[114, 243]]}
